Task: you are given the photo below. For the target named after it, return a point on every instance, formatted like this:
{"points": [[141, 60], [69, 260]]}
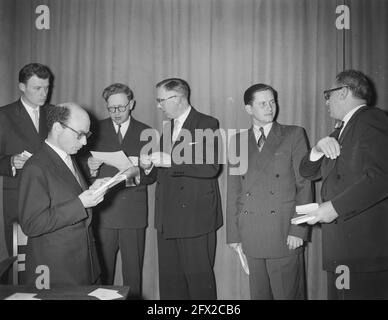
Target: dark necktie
{"points": [[119, 135], [262, 139], [337, 129]]}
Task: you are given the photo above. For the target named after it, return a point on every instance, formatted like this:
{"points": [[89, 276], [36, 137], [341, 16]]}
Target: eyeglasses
{"points": [[113, 109], [79, 134], [162, 101], [327, 93]]}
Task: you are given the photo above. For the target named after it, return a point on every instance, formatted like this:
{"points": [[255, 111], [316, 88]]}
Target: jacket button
{"points": [[248, 194], [277, 175], [183, 206], [271, 192], [338, 176], [273, 212], [182, 187], [245, 212], [243, 177]]}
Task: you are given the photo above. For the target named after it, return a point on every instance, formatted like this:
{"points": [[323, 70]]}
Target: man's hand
{"points": [[145, 162], [235, 246], [18, 160], [89, 199], [294, 242], [161, 159], [329, 146], [94, 164], [324, 214]]}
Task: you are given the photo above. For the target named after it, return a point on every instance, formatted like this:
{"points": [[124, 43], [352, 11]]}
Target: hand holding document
{"points": [[303, 211], [161, 159], [120, 176], [116, 159]]}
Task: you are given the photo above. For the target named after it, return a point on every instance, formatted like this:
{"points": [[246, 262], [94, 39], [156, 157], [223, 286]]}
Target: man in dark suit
{"points": [[54, 203], [22, 128], [187, 201], [352, 163], [261, 201], [122, 217]]}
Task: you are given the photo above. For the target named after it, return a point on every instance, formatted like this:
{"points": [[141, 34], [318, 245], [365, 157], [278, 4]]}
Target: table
{"points": [[61, 292]]}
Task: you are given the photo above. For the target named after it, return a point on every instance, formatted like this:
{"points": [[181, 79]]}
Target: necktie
{"points": [[69, 163], [36, 119], [119, 135], [262, 139], [337, 129]]}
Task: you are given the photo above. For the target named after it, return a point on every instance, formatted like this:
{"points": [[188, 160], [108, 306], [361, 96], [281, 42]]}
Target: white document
{"points": [[22, 296], [117, 178], [243, 259], [306, 208], [105, 294], [116, 159], [303, 210]]}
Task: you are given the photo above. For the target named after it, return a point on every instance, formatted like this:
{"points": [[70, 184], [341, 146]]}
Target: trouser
{"points": [[280, 278], [186, 267], [131, 243]]}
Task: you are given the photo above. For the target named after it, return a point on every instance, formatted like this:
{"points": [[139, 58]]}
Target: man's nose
{"points": [[83, 141]]}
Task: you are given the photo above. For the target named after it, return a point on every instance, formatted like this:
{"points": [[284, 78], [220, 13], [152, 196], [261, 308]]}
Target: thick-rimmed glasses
{"points": [[113, 109], [80, 134], [327, 93], [163, 101]]}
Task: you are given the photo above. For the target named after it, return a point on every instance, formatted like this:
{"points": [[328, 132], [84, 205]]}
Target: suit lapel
{"points": [[25, 125], [330, 164], [259, 160]]}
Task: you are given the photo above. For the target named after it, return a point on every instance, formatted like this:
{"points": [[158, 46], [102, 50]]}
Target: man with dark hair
{"points": [[187, 203], [352, 162], [123, 216], [22, 130], [261, 201], [54, 203]]}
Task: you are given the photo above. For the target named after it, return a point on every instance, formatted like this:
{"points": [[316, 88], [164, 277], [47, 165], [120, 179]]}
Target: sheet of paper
{"points": [[306, 208], [117, 178], [243, 259], [22, 296], [301, 219], [116, 159], [26, 153], [105, 294]]}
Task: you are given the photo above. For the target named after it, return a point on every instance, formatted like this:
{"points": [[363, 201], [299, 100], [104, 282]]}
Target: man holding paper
{"points": [[22, 131], [55, 203], [261, 201], [123, 216], [353, 164]]}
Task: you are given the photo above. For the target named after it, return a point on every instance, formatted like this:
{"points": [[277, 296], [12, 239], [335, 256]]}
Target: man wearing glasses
{"points": [[187, 201], [122, 218], [55, 203], [352, 162]]}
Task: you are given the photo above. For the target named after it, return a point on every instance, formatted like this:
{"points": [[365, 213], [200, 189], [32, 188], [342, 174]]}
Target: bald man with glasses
{"points": [[123, 217]]}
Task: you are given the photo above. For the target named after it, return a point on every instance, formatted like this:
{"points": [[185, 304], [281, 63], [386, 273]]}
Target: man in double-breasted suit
{"points": [[54, 203], [353, 165], [261, 201], [187, 200], [122, 218], [22, 128]]}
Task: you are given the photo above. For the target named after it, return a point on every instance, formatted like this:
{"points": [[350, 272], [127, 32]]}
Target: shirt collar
{"points": [[59, 151], [29, 109], [350, 114], [124, 125], [267, 129], [182, 118]]}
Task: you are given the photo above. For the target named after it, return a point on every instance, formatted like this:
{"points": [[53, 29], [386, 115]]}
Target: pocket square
{"points": [[191, 143]]}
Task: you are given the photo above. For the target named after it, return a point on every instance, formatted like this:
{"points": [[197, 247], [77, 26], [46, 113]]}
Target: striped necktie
{"points": [[119, 135], [262, 139]]}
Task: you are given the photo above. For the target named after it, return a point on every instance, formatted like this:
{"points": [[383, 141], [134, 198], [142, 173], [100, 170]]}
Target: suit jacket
{"points": [[261, 201], [187, 197], [55, 221], [17, 133], [122, 207], [357, 185]]}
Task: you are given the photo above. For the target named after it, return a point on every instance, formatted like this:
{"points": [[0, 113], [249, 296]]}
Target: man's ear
{"points": [[22, 87], [344, 93], [132, 104], [248, 109], [57, 127]]}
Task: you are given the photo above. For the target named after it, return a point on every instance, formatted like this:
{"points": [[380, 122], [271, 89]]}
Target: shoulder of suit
{"points": [[9, 107], [139, 124], [290, 128], [205, 118], [373, 116]]}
